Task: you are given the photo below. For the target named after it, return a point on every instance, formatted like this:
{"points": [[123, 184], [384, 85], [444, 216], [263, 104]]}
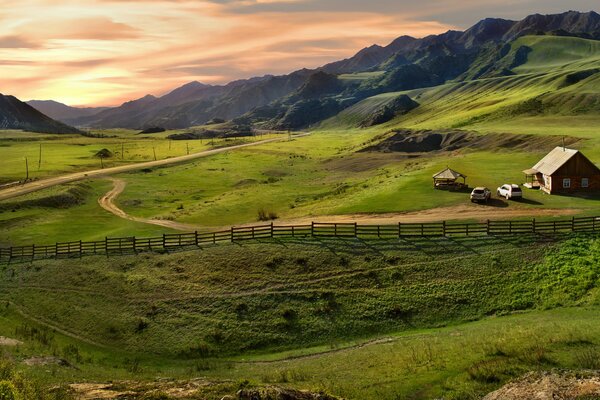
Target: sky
{"points": [[105, 52]]}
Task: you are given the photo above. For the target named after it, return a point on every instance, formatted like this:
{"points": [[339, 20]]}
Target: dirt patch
{"points": [[427, 141], [192, 389], [550, 386], [93, 391], [50, 360], [4, 341], [477, 212], [275, 173], [245, 182]]}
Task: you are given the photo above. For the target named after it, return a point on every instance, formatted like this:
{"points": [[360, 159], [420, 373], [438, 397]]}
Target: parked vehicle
{"points": [[510, 191], [481, 194]]}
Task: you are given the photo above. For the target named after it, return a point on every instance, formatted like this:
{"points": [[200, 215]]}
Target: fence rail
{"points": [[132, 244]]}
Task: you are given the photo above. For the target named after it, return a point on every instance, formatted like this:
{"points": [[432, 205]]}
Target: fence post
{"points": [[231, 233], [422, 230], [467, 228], [106, 246], [214, 237], [253, 232], [444, 228], [80, 249], [196, 238], [573, 224], [32, 252], [312, 228], [594, 224], [533, 227], [399, 229], [271, 228], [487, 230], [164, 244], [510, 227], [355, 229], [335, 229]]}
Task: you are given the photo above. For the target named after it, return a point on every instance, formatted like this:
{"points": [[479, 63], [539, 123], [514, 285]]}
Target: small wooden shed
{"points": [[449, 178], [564, 171]]}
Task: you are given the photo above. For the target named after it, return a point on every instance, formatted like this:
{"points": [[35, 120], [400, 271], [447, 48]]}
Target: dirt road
{"points": [[107, 202], [49, 182], [460, 212]]}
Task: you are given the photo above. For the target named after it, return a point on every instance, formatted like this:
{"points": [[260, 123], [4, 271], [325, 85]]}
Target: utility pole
{"points": [[40, 159], [26, 170]]}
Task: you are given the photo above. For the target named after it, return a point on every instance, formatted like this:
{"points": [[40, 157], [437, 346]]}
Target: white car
{"points": [[481, 194], [510, 192]]}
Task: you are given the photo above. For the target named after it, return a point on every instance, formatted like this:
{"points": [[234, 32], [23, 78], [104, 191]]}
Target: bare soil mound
{"points": [[408, 141], [4, 341], [551, 386]]}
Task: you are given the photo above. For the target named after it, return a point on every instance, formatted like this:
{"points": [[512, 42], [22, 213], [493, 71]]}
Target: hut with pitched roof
{"points": [[564, 170]]}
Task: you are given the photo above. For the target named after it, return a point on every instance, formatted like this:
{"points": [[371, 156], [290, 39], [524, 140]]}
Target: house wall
{"points": [[575, 169], [557, 184]]}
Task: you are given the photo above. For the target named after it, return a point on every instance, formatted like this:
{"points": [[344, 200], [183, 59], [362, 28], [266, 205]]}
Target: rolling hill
{"points": [[62, 112], [307, 97], [559, 78], [14, 114]]}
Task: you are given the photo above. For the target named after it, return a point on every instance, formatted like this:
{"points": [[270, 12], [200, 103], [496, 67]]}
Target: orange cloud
{"points": [[106, 52]]}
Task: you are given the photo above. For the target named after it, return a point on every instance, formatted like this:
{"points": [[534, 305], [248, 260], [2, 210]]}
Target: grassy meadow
{"points": [[296, 314], [61, 154], [417, 318]]}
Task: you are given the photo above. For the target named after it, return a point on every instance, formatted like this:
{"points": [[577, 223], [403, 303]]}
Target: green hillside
{"points": [[559, 81], [233, 311]]}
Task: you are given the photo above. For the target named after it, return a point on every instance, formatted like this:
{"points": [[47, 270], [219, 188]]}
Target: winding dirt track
{"points": [[107, 202], [460, 212], [77, 176]]}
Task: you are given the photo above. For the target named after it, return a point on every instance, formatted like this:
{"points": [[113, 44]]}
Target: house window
{"points": [[585, 182], [567, 183]]}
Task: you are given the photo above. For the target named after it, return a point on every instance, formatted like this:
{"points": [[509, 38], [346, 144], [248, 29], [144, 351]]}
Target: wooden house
{"points": [[564, 171]]}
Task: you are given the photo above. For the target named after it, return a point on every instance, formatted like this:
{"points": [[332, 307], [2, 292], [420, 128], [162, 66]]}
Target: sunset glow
{"points": [[104, 52]]}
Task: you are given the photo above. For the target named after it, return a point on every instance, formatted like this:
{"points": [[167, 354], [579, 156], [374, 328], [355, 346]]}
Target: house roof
{"points": [[448, 174], [554, 160]]}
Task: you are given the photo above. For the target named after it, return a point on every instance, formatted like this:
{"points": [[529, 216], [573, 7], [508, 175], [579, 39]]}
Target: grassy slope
{"points": [[53, 215], [260, 298], [69, 153]]}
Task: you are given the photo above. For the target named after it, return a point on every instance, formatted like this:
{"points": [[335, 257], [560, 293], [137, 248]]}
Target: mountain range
{"points": [[306, 97], [14, 114]]}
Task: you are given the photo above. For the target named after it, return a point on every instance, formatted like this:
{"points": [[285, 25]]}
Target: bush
{"points": [[264, 215], [7, 391]]}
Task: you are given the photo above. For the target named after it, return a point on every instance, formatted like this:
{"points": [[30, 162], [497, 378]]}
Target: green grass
{"points": [[242, 316], [69, 153], [65, 213]]}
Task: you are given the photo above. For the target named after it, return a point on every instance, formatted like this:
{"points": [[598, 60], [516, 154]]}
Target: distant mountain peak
{"points": [[15, 114]]}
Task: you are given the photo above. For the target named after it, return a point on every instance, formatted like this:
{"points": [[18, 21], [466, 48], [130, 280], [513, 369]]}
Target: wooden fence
{"points": [[166, 242]]}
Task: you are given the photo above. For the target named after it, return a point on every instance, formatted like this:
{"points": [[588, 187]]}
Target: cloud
{"points": [[17, 42], [109, 51]]}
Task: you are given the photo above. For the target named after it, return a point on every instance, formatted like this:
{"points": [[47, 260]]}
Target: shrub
{"points": [[7, 391], [264, 215]]}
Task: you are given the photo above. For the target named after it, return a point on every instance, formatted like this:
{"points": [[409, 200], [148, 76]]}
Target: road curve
{"points": [[77, 176], [458, 212], [107, 202]]}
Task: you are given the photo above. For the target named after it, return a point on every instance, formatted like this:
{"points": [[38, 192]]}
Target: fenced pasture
{"points": [[173, 241]]}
